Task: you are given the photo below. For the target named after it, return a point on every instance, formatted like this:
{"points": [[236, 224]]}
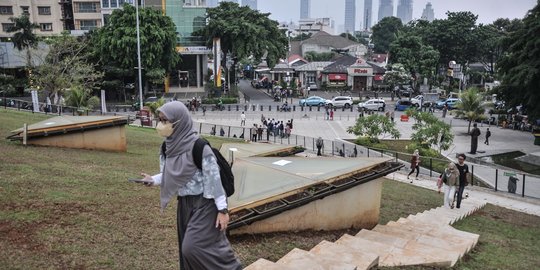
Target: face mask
{"points": [[164, 130]]}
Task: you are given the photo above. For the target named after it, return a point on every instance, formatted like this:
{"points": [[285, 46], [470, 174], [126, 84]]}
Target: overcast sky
{"points": [[487, 10]]}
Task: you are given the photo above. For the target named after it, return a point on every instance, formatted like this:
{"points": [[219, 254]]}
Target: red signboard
{"points": [[337, 77], [379, 77]]}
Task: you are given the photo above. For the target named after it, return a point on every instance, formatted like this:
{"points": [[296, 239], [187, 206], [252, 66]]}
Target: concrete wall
{"points": [[109, 139], [357, 207]]}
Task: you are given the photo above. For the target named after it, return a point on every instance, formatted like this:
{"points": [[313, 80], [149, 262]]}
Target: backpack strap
{"points": [[197, 152]]}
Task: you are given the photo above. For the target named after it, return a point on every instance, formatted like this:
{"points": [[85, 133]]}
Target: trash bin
{"points": [[512, 184]]}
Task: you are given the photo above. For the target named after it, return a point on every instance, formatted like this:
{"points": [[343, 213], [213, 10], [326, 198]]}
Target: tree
{"points": [[396, 75], [81, 98], [24, 37], [244, 32], [373, 127], [520, 66], [385, 32], [430, 132], [301, 37], [323, 56], [415, 56], [115, 44], [470, 106], [349, 37], [66, 65]]}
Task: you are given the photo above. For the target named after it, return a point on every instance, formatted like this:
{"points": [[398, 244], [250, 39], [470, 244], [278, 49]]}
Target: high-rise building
{"points": [[305, 9], [386, 9], [428, 14], [212, 3], [350, 16], [368, 14], [405, 10], [250, 3]]}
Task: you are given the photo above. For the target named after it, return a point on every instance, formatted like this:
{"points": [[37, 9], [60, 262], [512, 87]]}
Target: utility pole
{"points": [[139, 58]]}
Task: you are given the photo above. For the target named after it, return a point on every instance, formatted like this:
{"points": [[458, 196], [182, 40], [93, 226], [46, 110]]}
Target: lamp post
{"points": [[139, 57]]}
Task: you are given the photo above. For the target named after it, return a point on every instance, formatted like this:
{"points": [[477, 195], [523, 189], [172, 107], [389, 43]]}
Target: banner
{"points": [[217, 62], [103, 105], [35, 101]]}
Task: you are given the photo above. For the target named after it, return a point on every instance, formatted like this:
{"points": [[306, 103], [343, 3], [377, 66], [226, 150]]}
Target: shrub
{"points": [[424, 151], [216, 100]]}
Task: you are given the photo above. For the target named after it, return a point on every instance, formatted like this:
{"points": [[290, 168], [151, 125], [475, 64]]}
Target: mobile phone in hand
{"points": [[137, 180]]}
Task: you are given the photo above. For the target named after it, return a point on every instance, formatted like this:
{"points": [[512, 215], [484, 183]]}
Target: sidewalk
{"points": [[513, 202]]}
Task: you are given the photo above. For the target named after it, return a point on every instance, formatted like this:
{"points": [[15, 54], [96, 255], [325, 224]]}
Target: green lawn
{"points": [[67, 208]]}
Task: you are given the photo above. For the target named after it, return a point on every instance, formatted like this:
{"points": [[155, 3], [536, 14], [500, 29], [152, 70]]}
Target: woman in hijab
{"points": [[450, 179], [202, 214]]}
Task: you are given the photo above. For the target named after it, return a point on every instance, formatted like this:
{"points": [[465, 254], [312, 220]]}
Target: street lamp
{"points": [[139, 57]]}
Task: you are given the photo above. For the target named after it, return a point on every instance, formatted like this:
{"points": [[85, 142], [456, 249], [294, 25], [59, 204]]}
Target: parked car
{"points": [[403, 104], [312, 101], [312, 86], [372, 105], [450, 102], [340, 101]]}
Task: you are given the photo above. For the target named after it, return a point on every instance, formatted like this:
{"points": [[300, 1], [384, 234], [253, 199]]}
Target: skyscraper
{"points": [[404, 10], [428, 14], [250, 3], [368, 12], [305, 9], [386, 9], [350, 16]]}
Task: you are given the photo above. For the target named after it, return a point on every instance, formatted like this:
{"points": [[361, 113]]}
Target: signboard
{"points": [[360, 71], [193, 50], [103, 104], [510, 174], [217, 61], [35, 102]]}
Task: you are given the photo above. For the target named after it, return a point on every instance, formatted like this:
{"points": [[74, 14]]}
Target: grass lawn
{"points": [[67, 208]]}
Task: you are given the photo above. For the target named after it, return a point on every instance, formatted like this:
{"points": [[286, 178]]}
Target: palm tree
{"points": [[24, 37], [471, 106]]}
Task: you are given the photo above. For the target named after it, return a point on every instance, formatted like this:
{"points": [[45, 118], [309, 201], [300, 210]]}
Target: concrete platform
{"points": [[301, 259], [362, 260], [262, 264]]}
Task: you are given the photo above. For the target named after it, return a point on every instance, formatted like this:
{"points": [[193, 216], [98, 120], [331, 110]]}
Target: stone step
{"points": [[448, 234], [362, 260], [301, 259], [392, 256], [262, 264]]}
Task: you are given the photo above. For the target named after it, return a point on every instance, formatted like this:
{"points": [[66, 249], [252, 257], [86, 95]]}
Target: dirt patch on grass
{"points": [[509, 216]]}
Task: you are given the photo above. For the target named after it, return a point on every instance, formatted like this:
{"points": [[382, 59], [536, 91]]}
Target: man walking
{"points": [[463, 177], [243, 119], [319, 145], [488, 134]]}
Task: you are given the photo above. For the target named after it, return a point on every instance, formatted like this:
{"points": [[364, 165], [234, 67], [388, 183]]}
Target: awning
{"points": [[337, 77], [379, 77]]}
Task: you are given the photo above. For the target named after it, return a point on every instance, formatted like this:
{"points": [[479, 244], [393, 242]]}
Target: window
{"points": [[7, 26], [44, 10], [105, 4], [85, 7], [6, 10], [45, 26], [88, 24], [25, 10]]}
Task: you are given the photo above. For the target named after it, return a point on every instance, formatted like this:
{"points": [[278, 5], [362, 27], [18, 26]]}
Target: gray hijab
{"points": [[179, 167]]}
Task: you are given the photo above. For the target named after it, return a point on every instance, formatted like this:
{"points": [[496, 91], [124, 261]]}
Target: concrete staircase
{"points": [[422, 239]]}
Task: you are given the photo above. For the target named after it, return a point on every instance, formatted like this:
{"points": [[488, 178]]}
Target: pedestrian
{"points": [[355, 152], [449, 179], [259, 132], [254, 133], [475, 133], [331, 114], [204, 110], [319, 144], [392, 114], [327, 113], [444, 110], [202, 215], [415, 164], [221, 132], [488, 134], [464, 176], [242, 119]]}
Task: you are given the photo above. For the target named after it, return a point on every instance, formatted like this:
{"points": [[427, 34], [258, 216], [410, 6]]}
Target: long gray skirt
{"points": [[202, 245]]}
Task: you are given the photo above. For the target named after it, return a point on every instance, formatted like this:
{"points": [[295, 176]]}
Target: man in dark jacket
{"points": [[463, 181], [474, 138], [488, 134]]}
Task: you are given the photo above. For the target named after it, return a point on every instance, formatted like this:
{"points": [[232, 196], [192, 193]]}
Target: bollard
{"points": [[270, 108], [262, 108], [294, 108], [237, 109], [319, 109], [310, 108], [302, 108], [472, 175], [245, 108], [496, 178], [200, 128], [229, 108], [430, 167], [253, 107], [523, 187]]}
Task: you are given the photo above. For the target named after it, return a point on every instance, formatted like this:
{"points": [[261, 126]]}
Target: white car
{"points": [[341, 101], [374, 104], [417, 101]]}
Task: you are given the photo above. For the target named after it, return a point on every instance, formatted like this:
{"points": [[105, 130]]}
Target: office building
{"points": [[250, 3], [386, 9], [405, 10], [428, 14], [368, 12], [305, 9], [212, 3], [47, 14], [350, 16]]}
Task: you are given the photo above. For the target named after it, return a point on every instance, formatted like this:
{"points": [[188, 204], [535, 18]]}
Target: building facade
{"points": [[350, 16], [312, 26], [368, 14], [45, 13], [386, 9], [428, 14], [305, 9], [212, 3], [405, 10], [250, 3]]}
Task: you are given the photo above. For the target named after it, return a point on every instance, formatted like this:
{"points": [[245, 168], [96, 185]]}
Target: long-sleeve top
{"points": [[206, 181]]}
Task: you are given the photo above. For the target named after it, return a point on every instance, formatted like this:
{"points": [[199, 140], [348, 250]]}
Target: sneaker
{"points": [[452, 206], [411, 181], [407, 177]]}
